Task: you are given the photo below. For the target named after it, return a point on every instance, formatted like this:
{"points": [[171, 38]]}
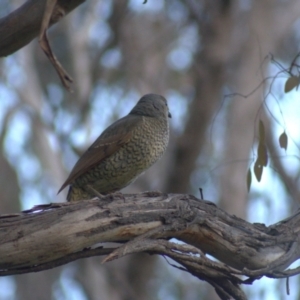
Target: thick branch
{"points": [[50, 235], [22, 25]]}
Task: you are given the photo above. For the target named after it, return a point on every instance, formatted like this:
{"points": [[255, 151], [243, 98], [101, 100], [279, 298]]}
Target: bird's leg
{"points": [[94, 192]]}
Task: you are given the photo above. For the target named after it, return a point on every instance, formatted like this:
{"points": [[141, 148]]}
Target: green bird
{"points": [[122, 152]]}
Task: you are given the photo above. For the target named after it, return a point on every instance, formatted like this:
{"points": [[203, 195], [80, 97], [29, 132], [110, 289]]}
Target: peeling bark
{"points": [[51, 235]]}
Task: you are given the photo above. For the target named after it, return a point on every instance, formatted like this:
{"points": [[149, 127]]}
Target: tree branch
{"points": [[22, 25], [51, 235]]}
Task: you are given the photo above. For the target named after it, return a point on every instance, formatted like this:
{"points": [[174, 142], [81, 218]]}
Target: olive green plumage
{"points": [[123, 151]]}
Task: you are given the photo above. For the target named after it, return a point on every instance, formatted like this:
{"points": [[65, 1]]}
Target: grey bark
{"points": [[54, 234]]}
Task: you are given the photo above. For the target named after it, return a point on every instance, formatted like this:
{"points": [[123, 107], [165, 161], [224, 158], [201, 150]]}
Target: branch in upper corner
{"points": [[22, 25], [52, 9]]}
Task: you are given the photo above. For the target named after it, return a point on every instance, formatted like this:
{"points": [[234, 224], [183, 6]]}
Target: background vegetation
{"points": [[195, 53]]}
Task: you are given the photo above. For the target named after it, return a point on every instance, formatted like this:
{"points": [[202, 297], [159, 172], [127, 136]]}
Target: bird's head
{"points": [[152, 105]]}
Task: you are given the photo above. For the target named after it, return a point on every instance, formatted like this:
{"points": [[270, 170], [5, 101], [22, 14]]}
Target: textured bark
{"points": [[50, 235]]}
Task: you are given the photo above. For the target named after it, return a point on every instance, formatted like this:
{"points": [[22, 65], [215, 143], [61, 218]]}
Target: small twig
{"points": [[287, 284], [201, 193]]}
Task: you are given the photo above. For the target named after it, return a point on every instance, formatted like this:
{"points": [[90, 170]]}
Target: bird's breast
{"points": [[150, 139]]}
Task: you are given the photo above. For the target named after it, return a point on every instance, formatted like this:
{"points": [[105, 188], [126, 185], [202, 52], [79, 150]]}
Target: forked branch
{"points": [[51, 235]]}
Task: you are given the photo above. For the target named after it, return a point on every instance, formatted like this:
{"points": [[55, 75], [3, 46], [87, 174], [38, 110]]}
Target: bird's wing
{"points": [[109, 142]]}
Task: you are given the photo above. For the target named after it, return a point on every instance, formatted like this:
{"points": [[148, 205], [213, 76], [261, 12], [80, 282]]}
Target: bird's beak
{"points": [[169, 115]]}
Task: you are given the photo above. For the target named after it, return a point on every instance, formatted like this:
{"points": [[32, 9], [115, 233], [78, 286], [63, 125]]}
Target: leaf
{"points": [[258, 169], [262, 154], [249, 179], [283, 140], [261, 130], [291, 83]]}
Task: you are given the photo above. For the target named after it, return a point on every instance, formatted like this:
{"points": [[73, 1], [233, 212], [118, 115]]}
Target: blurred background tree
{"points": [[193, 52]]}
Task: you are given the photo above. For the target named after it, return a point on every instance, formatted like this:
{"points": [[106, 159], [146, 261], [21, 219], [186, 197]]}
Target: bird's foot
{"points": [[94, 192]]}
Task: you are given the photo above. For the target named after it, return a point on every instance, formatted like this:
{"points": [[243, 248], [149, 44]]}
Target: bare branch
{"points": [[22, 25], [51, 10], [50, 235]]}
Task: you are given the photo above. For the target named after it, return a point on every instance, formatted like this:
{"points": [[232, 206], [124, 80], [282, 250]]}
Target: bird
{"points": [[123, 151]]}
